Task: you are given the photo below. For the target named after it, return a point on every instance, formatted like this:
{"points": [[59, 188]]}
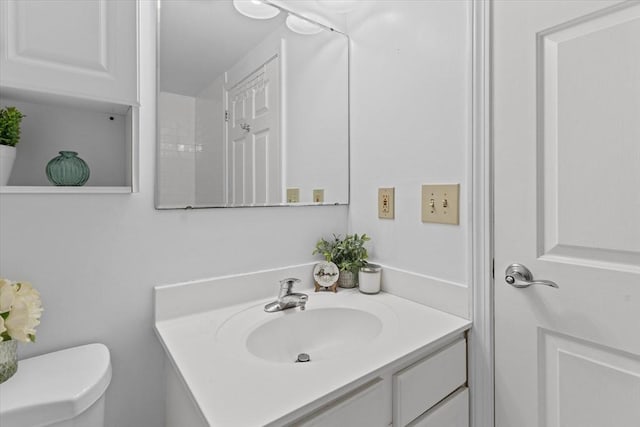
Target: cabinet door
{"points": [[423, 384], [362, 407], [452, 412], [82, 48]]}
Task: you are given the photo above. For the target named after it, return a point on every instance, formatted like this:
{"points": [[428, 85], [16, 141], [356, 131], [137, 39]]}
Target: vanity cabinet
{"points": [[414, 372], [428, 392], [431, 392], [84, 48]]}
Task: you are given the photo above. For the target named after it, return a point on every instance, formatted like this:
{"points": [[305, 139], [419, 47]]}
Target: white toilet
{"points": [[61, 389]]}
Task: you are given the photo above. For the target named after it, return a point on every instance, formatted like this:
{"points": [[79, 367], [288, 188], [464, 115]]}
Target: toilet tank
{"points": [[64, 388]]}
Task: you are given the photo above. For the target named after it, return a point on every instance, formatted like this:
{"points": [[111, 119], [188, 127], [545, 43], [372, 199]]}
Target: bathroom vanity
{"points": [[375, 360]]}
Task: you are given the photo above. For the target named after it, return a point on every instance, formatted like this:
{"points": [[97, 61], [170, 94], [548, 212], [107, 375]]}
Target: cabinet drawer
{"points": [[362, 407], [423, 384], [452, 412]]}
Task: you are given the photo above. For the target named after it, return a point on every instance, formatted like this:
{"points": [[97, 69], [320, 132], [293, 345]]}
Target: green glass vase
{"points": [[8, 360], [67, 169]]}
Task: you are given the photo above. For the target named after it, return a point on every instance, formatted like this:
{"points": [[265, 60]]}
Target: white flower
{"points": [[23, 313], [7, 294], [25, 290], [22, 321]]}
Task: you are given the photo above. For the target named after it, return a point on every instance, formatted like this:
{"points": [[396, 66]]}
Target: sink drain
{"points": [[303, 357]]}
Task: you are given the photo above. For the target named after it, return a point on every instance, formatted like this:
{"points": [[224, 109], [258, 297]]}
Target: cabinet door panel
{"points": [[422, 385], [365, 407], [81, 48], [453, 412]]}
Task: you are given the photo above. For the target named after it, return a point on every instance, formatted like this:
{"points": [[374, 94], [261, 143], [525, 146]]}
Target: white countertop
{"points": [[234, 388]]}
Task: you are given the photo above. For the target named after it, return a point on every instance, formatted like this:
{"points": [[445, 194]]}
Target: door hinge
{"points": [[226, 115], [493, 268]]}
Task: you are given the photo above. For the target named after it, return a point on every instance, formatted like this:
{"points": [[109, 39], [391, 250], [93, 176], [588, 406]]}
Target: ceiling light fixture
{"points": [[302, 26], [255, 9]]}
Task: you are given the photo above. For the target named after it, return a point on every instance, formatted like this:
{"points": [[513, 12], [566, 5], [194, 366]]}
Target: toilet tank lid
{"points": [[55, 386]]}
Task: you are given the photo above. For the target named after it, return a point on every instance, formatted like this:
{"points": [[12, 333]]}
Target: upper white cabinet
{"points": [[79, 48], [71, 66]]}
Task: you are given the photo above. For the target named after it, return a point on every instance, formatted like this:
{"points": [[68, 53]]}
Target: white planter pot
{"points": [[7, 157]]}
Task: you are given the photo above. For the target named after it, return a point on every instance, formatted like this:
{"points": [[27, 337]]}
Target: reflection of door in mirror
{"points": [[253, 149]]}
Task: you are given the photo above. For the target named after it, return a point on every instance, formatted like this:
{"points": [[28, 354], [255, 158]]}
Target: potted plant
{"points": [[348, 253], [10, 119], [20, 311]]}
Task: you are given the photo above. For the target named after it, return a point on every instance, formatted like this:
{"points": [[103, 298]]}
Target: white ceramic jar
{"points": [[369, 279]]}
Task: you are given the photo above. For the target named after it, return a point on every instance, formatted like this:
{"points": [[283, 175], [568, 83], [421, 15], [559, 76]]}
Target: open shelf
{"points": [[28, 189], [104, 135]]}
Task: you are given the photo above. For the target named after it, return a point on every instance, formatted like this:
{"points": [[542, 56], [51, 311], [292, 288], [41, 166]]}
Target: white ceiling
{"points": [[200, 39]]}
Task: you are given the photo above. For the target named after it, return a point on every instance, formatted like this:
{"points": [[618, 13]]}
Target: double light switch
{"points": [[440, 203]]}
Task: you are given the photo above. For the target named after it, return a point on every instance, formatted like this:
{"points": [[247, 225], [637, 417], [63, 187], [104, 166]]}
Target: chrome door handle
{"points": [[519, 276]]}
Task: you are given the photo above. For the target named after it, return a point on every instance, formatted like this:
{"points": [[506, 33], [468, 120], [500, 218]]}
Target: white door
{"points": [[566, 107], [239, 151], [253, 138]]}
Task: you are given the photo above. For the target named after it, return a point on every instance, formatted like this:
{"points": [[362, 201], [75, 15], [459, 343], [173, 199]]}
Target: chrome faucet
{"points": [[286, 298]]}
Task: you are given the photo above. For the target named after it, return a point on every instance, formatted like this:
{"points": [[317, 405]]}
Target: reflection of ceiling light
{"points": [[338, 6], [255, 9], [302, 26]]}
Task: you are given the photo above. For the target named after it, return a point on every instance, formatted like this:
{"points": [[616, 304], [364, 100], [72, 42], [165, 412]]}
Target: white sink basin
{"points": [[236, 354], [325, 330], [323, 333]]}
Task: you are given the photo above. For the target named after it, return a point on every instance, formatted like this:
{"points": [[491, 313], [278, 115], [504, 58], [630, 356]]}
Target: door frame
{"points": [[481, 337]]}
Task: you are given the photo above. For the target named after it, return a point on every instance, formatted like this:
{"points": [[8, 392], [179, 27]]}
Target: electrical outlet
{"points": [[318, 196], [440, 203], [386, 203], [293, 195]]}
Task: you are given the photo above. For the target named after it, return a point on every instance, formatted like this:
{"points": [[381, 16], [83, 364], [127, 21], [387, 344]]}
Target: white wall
{"points": [[95, 259], [410, 124]]}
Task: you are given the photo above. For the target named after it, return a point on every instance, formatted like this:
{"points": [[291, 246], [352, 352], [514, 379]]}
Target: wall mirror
{"points": [[251, 112]]}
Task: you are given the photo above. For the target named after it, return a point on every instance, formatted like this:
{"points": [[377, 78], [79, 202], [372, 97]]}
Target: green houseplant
{"points": [[10, 120], [348, 253]]}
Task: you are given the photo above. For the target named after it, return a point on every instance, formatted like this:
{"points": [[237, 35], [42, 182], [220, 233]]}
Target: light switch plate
{"points": [[440, 203], [293, 195], [386, 203], [318, 195]]}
